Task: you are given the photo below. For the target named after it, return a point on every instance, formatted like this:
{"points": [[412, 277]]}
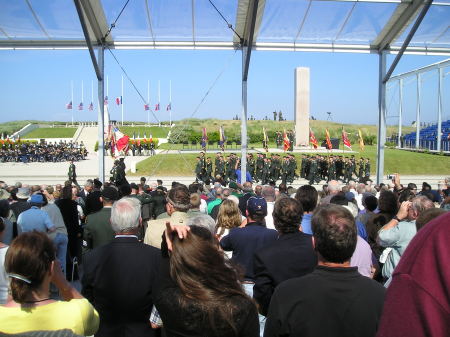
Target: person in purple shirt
{"points": [[35, 218]]}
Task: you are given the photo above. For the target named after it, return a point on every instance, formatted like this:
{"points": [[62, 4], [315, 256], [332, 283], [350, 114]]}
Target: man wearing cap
{"points": [[98, 229], [21, 205], [244, 242], [35, 218]]}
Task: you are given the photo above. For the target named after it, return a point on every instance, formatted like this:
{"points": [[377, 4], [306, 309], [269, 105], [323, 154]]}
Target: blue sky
{"points": [[36, 84]]}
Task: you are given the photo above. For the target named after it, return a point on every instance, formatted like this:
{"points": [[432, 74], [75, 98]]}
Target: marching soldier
{"points": [[367, 170], [208, 171], [259, 167], [361, 170]]}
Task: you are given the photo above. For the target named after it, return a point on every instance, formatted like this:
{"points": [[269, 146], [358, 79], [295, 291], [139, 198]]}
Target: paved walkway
{"points": [[54, 173]]}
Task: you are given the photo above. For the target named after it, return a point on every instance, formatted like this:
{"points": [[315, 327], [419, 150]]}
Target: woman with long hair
{"points": [[31, 266], [229, 217], [199, 293]]}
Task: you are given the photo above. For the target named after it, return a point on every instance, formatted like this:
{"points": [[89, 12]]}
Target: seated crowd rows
{"points": [[238, 260]]}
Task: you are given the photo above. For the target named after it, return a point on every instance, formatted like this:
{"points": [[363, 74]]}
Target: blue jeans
{"points": [[248, 288], [60, 242]]}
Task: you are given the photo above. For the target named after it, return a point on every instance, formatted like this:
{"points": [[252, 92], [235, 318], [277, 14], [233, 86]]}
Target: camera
{"points": [[390, 176]]}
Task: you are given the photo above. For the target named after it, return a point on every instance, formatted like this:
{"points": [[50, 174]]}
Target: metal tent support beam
{"points": [[101, 116], [400, 111], [381, 117], [440, 95], [419, 85]]}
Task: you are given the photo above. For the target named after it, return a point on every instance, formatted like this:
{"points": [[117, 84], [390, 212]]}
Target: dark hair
{"points": [[370, 202], [180, 198], [67, 192], [282, 188], [412, 186], [427, 215], [307, 195], [339, 199], [334, 233], [30, 256], [406, 195], [4, 208], [205, 277], [387, 202], [2, 225], [124, 190], [287, 215]]}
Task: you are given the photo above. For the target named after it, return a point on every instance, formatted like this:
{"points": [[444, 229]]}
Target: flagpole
{"points": [[121, 100], [148, 102], [71, 87], [170, 102], [92, 94], [107, 86]]}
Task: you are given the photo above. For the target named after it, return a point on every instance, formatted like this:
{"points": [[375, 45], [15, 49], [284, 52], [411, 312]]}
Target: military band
{"points": [[42, 152], [264, 168]]}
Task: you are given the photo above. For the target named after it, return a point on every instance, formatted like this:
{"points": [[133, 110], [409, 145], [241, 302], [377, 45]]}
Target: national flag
{"points": [[222, 138], [145, 137], [150, 140], [146, 107], [69, 105], [265, 140], [204, 139], [345, 140], [105, 102], [80, 107], [312, 139], [286, 141], [328, 140], [119, 100], [120, 139], [157, 107], [169, 107], [91, 106], [361, 141]]}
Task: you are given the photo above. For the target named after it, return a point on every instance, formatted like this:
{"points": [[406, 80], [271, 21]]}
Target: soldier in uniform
{"points": [[339, 168], [251, 165], [133, 148], [198, 170], [152, 148], [367, 170], [72, 173], [303, 167], [292, 168], [208, 171], [285, 169], [217, 164], [331, 169], [361, 170], [266, 171], [259, 167], [312, 177], [291, 137]]}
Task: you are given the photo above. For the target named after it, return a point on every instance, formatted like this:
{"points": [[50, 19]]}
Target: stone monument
{"points": [[301, 103]]}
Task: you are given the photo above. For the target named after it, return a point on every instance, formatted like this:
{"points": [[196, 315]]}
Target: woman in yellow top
{"points": [[31, 265]]}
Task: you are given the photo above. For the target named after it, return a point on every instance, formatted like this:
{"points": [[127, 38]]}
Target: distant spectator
{"points": [[307, 196], [333, 188], [427, 215], [35, 219], [248, 192], [229, 217], [268, 193], [11, 229]]}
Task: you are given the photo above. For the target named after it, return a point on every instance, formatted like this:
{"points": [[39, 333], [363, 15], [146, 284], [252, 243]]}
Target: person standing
{"points": [[119, 277], [72, 173], [337, 301]]}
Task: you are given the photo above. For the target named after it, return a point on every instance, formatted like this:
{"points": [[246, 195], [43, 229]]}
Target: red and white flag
{"points": [[312, 139], [69, 105], [119, 100], [345, 140], [120, 139]]}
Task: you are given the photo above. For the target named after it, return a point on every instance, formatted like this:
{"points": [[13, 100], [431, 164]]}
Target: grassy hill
{"points": [[51, 133]]}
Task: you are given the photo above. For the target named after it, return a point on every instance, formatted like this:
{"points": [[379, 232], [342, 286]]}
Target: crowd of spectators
{"points": [[236, 260]]}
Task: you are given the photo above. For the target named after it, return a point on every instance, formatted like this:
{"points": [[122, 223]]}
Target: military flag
{"points": [[265, 140], [286, 141], [312, 139], [222, 138], [204, 139], [345, 139], [361, 141], [328, 140]]}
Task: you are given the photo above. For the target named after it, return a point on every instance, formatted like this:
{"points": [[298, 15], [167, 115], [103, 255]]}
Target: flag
{"points": [[105, 102], [157, 107], [69, 105], [145, 137], [169, 107], [312, 139], [80, 107], [91, 106], [328, 140], [265, 140], [146, 107], [361, 141], [345, 140], [119, 100], [222, 138], [150, 140], [120, 140], [204, 139], [286, 141]]}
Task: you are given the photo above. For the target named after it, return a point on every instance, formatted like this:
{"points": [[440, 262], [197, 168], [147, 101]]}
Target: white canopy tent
{"points": [[355, 26]]}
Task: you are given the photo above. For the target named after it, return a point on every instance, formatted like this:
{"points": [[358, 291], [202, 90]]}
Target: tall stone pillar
{"points": [[301, 94]]}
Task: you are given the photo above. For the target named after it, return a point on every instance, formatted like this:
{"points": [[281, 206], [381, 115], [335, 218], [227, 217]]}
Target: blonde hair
{"points": [[229, 216]]}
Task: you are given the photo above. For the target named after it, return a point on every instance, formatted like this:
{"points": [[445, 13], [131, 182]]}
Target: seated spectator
{"points": [[119, 277], [337, 300], [292, 247], [398, 232], [417, 301], [31, 265], [307, 196]]}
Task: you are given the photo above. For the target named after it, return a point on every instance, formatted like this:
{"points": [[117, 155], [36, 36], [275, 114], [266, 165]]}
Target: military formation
{"points": [[265, 169], [42, 152]]}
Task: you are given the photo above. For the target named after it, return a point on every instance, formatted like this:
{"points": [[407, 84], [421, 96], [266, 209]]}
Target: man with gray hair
{"points": [[398, 232], [333, 188], [119, 277], [268, 193]]}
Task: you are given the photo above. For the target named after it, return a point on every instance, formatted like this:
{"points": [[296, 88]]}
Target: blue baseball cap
{"points": [[257, 206]]}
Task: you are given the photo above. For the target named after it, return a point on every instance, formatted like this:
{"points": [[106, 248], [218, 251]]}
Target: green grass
{"points": [[51, 133], [403, 162], [155, 131]]}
